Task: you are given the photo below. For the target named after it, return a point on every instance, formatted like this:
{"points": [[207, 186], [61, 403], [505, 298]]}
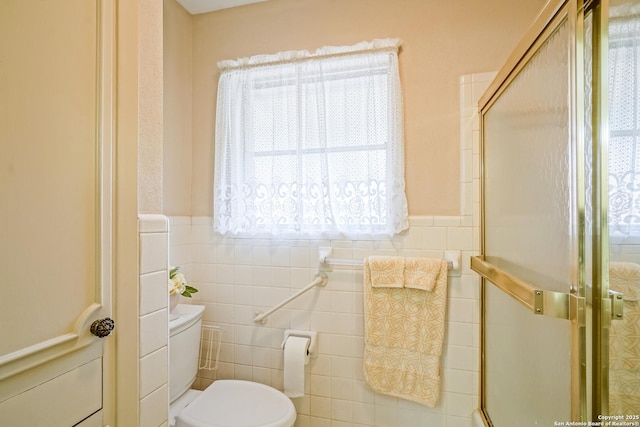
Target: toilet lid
{"points": [[234, 403]]}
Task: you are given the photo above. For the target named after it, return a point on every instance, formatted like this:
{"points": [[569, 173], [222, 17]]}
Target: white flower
{"points": [[176, 288], [178, 284]]}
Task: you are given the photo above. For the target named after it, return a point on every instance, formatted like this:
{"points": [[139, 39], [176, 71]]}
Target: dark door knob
{"points": [[103, 327]]}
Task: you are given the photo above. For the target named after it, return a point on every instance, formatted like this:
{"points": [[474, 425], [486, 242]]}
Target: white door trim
{"points": [[106, 137]]}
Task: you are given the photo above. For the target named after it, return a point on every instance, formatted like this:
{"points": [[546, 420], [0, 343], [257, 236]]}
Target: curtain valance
{"points": [[392, 44]]}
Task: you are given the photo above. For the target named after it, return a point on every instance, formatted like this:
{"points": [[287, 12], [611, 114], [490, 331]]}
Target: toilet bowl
{"points": [[229, 403]]}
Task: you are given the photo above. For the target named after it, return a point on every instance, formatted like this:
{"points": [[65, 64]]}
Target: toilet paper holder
{"points": [[312, 335]]}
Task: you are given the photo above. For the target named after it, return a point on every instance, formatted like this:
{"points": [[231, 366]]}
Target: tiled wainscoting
{"points": [[153, 298], [624, 249], [238, 277]]}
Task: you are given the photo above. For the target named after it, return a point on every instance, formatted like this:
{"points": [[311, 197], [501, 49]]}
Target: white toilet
{"points": [[229, 403]]}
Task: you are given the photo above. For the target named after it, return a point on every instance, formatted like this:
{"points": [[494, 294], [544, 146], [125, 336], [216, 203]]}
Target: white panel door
{"points": [[55, 209]]}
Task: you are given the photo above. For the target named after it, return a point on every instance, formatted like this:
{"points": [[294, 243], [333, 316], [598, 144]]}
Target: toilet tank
{"points": [[184, 348]]}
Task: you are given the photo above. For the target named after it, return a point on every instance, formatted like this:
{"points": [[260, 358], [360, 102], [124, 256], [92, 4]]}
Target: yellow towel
{"points": [[422, 273], [625, 277], [404, 334], [624, 344], [387, 271]]}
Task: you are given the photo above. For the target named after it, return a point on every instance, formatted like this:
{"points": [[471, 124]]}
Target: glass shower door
{"points": [[561, 221], [612, 142], [622, 158], [533, 303]]}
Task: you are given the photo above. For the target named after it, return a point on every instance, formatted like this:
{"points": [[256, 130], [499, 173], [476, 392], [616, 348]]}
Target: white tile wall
{"points": [[153, 287], [153, 293], [153, 252], [153, 371], [624, 249], [153, 331], [238, 277], [154, 408]]}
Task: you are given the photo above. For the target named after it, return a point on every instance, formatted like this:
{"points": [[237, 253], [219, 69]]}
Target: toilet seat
{"points": [[235, 403]]}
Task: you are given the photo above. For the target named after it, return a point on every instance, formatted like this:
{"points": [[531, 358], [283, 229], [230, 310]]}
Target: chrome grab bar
{"points": [[539, 301], [320, 280]]}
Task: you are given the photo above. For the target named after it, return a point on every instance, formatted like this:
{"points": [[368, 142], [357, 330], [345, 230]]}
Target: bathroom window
{"points": [[311, 144], [624, 122]]}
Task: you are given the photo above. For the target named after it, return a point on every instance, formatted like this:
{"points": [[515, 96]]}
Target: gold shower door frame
{"points": [[589, 259]]}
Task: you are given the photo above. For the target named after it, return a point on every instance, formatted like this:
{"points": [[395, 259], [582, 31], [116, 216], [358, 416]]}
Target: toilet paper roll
{"points": [[295, 357]]}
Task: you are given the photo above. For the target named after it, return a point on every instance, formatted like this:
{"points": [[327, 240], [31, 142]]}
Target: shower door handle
{"points": [[539, 301], [617, 305]]}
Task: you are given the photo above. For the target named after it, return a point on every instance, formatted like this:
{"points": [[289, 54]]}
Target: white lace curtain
{"points": [[624, 120], [311, 143]]}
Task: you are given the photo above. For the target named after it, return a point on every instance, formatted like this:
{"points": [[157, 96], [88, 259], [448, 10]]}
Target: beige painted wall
{"points": [[442, 40], [150, 129], [177, 110]]}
